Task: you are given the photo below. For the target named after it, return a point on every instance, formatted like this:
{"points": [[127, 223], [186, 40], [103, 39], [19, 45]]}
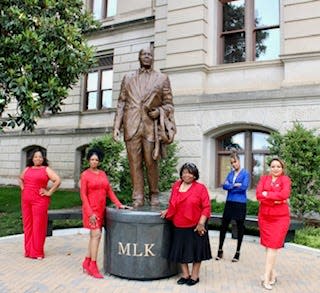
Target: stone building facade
{"points": [[239, 70]]}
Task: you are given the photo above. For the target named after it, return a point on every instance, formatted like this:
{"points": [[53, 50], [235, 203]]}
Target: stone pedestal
{"points": [[136, 245]]}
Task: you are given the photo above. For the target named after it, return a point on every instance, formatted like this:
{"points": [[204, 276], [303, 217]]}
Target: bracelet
{"points": [[200, 224]]}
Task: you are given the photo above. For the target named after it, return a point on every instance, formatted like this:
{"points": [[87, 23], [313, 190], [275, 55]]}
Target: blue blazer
{"points": [[237, 193]]}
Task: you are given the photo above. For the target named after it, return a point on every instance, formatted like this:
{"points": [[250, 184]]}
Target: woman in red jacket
{"points": [[273, 192], [189, 208], [94, 188]]}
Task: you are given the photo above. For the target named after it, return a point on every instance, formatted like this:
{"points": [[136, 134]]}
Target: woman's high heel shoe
{"points": [[266, 286], [272, 282], [220, 254], [236, 257], [86, 264], [94, 271]]}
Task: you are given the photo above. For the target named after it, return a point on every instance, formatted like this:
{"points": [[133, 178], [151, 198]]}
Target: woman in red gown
{"points": [[94, 189], [273, 192], [35, 201]]}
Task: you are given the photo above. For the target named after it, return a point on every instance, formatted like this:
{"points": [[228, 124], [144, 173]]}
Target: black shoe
{"points": [[236, 257], [192, 282], [220, 254], [182, 281]]}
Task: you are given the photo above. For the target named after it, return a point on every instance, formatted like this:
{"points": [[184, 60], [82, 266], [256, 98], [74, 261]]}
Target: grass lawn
{"points": [[10, 214], [10, 209]]}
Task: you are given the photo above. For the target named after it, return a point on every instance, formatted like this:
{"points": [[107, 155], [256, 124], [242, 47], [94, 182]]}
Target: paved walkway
{"points": [[298, 269]]}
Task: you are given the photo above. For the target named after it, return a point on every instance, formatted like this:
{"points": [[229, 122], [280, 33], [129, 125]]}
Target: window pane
{"points": [[233, 15], [107, 79], [259, 141], [92, 81], [97, 9], [107, 99], [224, 168], [92, 101], [233, 142], [112, 7], [234, 48], [260, 167], [267, 44], [266, 12]]}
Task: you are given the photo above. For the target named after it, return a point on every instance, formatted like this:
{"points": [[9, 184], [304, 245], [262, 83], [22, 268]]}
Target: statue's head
{"points": [[146, 58]]}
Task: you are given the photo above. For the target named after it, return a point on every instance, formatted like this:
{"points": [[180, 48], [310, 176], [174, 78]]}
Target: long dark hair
{"points": [[30, 161]]}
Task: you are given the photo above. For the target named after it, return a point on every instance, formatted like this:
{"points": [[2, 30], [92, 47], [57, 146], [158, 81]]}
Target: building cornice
{"points": [[104, 28], [223, 67], [300, 56], [58, 131]]}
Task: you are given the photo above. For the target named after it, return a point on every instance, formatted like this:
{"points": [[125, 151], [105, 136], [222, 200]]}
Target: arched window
{"points": [[252, 147], [80, 157]]}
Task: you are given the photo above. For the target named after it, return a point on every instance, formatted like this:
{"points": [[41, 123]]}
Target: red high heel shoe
{"points": [[94, 271], [86, 264]]}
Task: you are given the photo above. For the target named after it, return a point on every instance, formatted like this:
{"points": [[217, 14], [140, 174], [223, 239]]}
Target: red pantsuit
{"points": [[274, 213], [34, 211]]}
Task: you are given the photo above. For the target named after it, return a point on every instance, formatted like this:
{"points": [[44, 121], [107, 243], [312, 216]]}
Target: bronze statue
{"points": [[145, 111]]}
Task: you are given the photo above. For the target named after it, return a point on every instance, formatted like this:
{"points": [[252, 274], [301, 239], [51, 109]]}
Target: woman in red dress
{"points": [[35, 201], [94, 189], [189, 209], [273, 192]]}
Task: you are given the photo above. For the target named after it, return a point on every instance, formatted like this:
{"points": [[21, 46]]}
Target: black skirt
{"points": [[188, 246], [235, 211]]}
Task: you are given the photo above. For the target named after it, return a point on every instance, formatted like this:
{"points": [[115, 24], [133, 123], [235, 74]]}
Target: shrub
{"points": [[112, 161], [252, 207], [300, 149], [309, 236]]}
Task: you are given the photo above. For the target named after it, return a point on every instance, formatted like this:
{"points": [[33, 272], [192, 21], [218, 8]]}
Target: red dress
{"points": [[274, 213], [94, 189], [34, 211]]}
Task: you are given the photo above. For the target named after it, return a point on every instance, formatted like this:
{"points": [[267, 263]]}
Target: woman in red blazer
{"points": [[273, 192], [189, 208]]}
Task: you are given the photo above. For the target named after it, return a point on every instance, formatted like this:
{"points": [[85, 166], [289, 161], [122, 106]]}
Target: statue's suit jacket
{"points": [[141, 92]]}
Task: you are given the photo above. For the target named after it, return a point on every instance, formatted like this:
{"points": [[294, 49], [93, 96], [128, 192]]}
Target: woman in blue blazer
{"points": [[236, 183]]}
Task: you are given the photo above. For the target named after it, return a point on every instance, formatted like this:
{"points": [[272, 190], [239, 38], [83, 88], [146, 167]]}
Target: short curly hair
{"points": [[192, 169], [97, 152]]}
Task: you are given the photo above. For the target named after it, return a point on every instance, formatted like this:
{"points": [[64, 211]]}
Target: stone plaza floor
{"points": [[298, 269]]}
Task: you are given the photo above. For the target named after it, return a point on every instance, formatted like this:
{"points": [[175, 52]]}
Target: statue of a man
{"points": [[145, 111]]}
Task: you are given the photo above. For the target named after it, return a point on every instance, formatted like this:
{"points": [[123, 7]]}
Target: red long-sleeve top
{"points": [[275, 203], [186, 208]]}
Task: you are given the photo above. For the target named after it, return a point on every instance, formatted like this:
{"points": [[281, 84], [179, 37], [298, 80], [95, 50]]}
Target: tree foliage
{"points": [[43, 52], [300, 149]]}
